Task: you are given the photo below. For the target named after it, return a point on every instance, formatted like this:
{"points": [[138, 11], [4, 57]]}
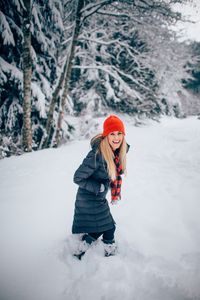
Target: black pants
{"points": [[108, 236]]}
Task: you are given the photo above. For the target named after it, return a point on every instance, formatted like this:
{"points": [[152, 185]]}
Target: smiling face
{"points": [[115, 139]]}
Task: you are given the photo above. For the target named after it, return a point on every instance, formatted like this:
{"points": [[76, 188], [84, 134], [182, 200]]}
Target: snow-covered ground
{"points": [[158, 222]]}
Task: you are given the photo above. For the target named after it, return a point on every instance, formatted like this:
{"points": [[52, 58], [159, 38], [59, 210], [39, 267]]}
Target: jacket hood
{"points": [[94, 143]]}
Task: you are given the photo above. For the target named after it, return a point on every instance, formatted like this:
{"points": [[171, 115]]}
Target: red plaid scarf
{"points": [[116, 184]]}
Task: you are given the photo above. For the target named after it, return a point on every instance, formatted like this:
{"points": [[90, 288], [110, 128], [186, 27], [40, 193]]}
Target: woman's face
{"points": [[115, 139]]}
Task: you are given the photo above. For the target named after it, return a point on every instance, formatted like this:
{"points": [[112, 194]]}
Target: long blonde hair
{"points": [[107, 153]]}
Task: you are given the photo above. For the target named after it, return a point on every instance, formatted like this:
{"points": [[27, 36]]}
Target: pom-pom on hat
{"points": [[113, 123]]}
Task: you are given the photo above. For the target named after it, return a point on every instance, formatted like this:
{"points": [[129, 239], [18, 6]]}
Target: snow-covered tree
{"points": [[46, 32], [193, 83], [75, 11], [172, 55], [115, 63]]}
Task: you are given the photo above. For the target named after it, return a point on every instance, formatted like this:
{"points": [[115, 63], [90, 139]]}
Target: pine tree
{"points": [[46, 31]]}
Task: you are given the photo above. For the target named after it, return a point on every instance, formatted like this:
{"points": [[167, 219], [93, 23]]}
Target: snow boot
{"points": [[84, 246], [110, 248]]}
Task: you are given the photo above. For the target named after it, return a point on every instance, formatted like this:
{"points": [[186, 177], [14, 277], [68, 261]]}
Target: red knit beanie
{"points": [[113, 123]]}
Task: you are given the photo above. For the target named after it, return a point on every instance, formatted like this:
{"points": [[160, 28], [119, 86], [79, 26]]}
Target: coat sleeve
{"points": [[83, 174]]}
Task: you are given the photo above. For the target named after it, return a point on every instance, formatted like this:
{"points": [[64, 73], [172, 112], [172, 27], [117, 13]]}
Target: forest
{"points": [[63, 62]]}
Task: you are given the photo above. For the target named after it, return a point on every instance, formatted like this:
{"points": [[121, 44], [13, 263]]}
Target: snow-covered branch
{"points": [[113, 73]]}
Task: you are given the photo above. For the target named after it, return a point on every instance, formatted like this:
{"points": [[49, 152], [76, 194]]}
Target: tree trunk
{"points": [[70, 57], [46, 140], [27, 74]]}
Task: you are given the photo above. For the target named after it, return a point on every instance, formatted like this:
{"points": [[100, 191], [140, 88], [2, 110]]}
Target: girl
{"points": [[101, 169]]}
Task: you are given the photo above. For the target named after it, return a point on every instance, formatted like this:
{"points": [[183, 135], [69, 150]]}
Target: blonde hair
{"points": [[107, 153]]}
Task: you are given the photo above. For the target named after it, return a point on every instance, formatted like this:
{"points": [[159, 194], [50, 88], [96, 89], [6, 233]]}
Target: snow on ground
{"points": [[158, 222]]}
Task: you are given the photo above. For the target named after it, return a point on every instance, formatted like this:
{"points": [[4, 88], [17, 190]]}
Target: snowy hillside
{"points": [[158, 222]]}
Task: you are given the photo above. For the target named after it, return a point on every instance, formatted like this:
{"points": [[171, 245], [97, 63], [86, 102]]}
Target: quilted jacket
{"points": [[92, 212]]}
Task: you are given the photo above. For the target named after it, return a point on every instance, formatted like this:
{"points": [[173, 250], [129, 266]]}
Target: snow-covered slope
{"points": [[158, 222]]}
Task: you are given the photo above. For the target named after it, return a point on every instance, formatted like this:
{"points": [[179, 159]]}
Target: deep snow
{"points": [[158, 222]]}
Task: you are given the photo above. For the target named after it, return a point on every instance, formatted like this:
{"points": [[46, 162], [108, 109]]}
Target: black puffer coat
{"points": [[92, 212]]}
